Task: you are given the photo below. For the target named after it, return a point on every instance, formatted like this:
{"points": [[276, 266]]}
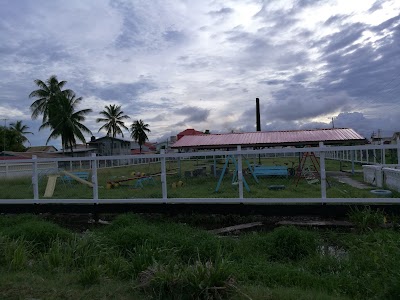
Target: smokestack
{"points": [[258, 114]]}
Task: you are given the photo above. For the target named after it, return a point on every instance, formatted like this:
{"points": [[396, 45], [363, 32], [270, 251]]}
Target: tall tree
{"points": [[139, 129], [113, 117], [9, 140], [47, 92], [21, 130], [65, 121]]}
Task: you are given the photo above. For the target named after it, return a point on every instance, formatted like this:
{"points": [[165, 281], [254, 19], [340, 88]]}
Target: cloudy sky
{"points": [[201, 64]]}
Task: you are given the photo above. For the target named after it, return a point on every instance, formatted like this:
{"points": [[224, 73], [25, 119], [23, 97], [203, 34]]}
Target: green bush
{"points": [[366, 218], [16, 253], [201, 280], [41, 233], [89, 275], [76, 253], [290, 243]]}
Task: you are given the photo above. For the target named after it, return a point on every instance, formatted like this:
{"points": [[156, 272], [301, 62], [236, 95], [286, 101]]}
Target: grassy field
{"points": [[192, 187], [143, 257]]}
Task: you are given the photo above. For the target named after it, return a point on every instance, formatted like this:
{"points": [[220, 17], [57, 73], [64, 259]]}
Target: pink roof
{"points": [[271, 138], [188, 131]]}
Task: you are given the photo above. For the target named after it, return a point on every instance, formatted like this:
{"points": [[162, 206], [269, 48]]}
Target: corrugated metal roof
{"points": [[271, 138]]}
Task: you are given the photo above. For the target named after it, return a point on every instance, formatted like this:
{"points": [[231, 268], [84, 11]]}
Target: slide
{"points": [[51, 185]]}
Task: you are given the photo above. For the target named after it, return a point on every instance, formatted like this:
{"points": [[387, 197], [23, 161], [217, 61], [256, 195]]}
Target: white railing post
{"points": [[398, 150], [35, 183], [240, 172], [7, 167], [383, 156], [163, 175], [94, 178], [322, 169]]}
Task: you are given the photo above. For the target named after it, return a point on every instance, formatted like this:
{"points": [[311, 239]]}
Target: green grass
{"points": [[156, 258], [193, 187]]}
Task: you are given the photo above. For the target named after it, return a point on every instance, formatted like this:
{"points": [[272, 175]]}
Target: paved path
{"points": [[344, 178]]}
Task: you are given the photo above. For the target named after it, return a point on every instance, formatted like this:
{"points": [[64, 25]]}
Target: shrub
{"points": [[89, 275], [41, 233], [201, 280], [290, 243], [366, 218], [16, 253]]}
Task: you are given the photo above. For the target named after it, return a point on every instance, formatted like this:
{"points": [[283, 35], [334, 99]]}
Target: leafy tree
{"points": [[21, 130], [113, 116], [9, 140], [65, 121], [139, 130], [48, 91]]}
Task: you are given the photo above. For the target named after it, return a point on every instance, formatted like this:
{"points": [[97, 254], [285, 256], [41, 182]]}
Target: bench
{"points": [[271, 171], [68, 179]]}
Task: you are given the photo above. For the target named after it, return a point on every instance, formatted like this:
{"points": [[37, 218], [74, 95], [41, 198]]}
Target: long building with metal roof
{"points": [[333, 136]]}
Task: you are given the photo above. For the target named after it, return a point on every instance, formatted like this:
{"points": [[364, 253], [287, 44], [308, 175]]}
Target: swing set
{"points": [[308, 171]]}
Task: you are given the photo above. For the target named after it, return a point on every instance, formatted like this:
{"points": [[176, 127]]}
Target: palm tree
{"points": [[21, 131], [113, 116], [46, 93], [65, 121], [139, 130]]}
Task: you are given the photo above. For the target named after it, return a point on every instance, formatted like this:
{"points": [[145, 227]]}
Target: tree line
{"points": [[58, 108]]}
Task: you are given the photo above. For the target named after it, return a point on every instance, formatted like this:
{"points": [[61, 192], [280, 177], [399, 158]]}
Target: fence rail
{"points": [[36, 167]]}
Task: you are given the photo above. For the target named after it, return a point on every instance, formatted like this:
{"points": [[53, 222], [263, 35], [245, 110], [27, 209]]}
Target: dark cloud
{"points": [[124, 92], [193, 114], [174, 36], [376, 6], [340, 40], [223, 11], [335, 20], [363, 124], [364, 71], [300, 103], [272, 81]]}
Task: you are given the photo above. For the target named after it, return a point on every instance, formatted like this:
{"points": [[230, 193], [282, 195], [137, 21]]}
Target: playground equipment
{"points": [[81, 177], [235, 173], [309, 172], [51, 185], [139, 177]]}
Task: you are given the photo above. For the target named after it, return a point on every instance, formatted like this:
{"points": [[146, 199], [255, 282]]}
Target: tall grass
{"points": [[160, 259]]}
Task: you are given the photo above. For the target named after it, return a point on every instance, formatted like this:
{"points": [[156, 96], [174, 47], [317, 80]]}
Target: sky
{"points": [[201, 64]]}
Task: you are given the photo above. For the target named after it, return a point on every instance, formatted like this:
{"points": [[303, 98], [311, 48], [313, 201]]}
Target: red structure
{"points": [[188, 132]]}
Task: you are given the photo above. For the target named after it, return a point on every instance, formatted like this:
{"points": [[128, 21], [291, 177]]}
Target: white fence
{"points": [[93, 163]]}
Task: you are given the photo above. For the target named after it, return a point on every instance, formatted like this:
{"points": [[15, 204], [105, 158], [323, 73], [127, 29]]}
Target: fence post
{"points": [[163, 175], [322, 169], [352, 161], [383, 155], [398, 150], [35, 183], [7, 168], [240, 172], [94, 178]]}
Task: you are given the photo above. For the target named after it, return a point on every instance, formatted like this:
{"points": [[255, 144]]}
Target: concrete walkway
{"points": [[344, 178]]}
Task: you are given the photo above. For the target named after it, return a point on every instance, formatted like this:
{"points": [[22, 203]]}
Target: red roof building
{"points": [[188, 132], [338, 136]]}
